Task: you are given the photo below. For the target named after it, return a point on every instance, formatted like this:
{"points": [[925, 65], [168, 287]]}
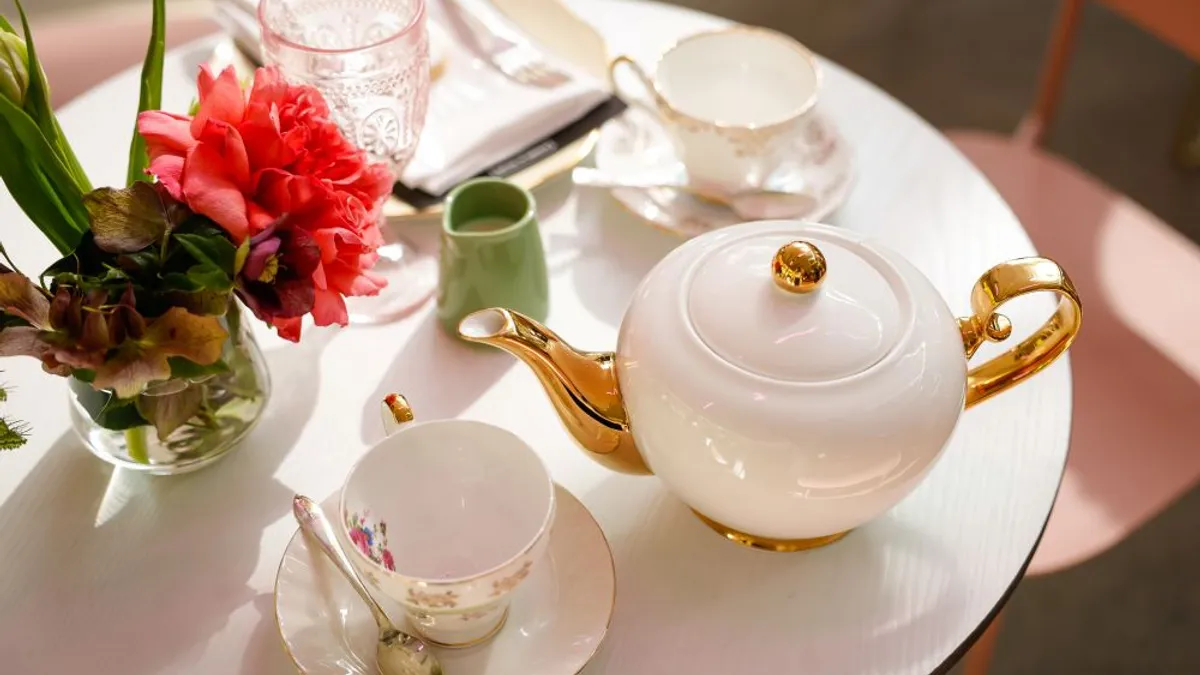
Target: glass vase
{"points": [[227, 405]]}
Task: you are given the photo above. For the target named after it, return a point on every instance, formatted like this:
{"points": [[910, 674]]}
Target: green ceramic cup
{"points": [[491, 253]]}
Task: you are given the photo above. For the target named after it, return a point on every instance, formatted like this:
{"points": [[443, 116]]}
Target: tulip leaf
{"points": [[175, 333], [6, 26], [31, 190], [151, 94], [37, 104], [60, 188], [170, 411], [126, 220]]}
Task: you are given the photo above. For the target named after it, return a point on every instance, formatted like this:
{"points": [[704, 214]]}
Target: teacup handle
{"points": [[649, 99], [999, 285], [395, 413]]}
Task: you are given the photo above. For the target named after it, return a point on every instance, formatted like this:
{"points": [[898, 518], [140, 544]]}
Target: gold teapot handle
{"points": [[999, 285]]}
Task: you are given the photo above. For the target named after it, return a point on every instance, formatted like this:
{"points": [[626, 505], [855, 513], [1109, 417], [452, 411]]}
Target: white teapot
{"points": [[789, 381]]}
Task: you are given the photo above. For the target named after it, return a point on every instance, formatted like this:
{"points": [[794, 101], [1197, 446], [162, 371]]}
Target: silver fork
{"points": [[519, 61]]}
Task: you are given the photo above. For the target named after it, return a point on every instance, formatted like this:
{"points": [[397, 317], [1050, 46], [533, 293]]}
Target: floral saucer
{"points": [[558, 619], [637, 145]]}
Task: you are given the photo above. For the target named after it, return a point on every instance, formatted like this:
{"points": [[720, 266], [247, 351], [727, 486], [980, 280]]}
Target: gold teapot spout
{"points": [[581, 385]]}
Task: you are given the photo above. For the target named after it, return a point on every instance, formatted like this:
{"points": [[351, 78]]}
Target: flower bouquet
{"points": [[255, 201]]}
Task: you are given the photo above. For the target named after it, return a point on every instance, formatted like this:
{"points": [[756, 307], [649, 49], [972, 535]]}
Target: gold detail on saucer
{"points": [[470, 643], [798, 267], [999, 285], [502, 586], [767, 543]]}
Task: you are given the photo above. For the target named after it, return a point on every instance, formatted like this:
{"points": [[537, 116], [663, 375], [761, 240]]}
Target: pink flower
{"points": [[359, 539], [388, 561], [274, 167]]}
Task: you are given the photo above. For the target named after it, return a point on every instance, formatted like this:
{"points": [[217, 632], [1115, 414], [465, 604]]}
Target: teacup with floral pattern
{"points": [[447, 518]]}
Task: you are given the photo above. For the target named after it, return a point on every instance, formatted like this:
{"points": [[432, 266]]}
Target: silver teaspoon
{"points": [[750, 204], [396, 652]]}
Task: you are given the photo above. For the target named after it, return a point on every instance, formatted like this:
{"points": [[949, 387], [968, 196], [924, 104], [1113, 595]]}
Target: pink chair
{"points": [[1136, 363], [78, 50]]}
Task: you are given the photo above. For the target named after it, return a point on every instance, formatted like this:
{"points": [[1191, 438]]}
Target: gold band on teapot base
{"points": [[768, 543]]}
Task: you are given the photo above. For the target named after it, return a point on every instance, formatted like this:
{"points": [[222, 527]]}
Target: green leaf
{"points": [[151, 96], [141, 261], [105, 409], [68, 155], [204, 301], [216, 257], [178, 281], [6, 26], [37, 104], [126, 220], [184, 368], [169, 412], [210, 278], [33, 193], [214, 250], [62, 187]]}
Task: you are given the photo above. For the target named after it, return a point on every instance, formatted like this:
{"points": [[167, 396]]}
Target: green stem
{"points": [[135, 444]]}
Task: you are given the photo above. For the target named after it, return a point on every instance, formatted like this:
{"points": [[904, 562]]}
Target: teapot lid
{"points": [[795, 304]]}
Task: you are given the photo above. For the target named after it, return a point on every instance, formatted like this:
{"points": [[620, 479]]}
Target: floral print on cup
{"points": [[371, 540], [444, 600], [502, 586]]}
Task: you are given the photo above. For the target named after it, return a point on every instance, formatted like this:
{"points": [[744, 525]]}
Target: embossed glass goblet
{"points": [[370, 59]]}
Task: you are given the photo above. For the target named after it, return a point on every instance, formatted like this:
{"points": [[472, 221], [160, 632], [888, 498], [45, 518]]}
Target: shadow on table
{"points": [[884, 594], [440, 376], [137, 573], [615, 251]]}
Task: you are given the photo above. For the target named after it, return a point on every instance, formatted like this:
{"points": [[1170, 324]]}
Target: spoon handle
{"points": [[313, 521]]}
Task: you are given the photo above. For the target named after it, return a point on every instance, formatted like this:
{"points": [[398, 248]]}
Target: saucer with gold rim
{"points": [[636, 144], [556, 623]]}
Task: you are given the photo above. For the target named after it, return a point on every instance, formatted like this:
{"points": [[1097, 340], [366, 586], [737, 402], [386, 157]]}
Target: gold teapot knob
{"points": [[798, 267]]}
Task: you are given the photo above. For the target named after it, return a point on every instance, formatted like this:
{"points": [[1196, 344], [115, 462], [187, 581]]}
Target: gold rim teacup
{"points": [[733, 100]]}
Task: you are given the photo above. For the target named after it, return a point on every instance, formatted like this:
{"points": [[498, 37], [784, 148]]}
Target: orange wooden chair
{"points": [[1136, 364], [78, 50]]}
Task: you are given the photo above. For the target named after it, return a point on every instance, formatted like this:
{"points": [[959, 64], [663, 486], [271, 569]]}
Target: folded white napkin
{"points": [[477, 116]]}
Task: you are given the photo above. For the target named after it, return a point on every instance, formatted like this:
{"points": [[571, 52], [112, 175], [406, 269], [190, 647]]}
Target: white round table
{"points": [[112, 573]]}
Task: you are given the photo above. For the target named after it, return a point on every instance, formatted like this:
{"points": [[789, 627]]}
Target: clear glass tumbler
{"points": [[370, 59]]}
